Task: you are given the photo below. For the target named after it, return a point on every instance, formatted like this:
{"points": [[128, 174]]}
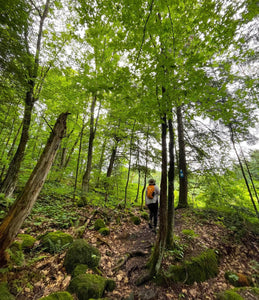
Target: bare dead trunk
{"points": [[24, 203]]}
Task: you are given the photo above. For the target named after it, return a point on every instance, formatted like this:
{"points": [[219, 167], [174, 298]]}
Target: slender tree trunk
{"points": [[160, 244], [24, 203], [171, 174], [78, 158], [9, 182], [145, 174], [86, 177], [8, 185], [243, 172], [129, 166], [109, 170], [183, 180], [100, 165]]}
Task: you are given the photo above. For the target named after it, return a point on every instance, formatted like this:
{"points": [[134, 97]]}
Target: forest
{"points": [[97, 98]]}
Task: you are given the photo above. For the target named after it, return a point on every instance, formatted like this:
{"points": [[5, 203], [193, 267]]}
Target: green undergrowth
{"points": [[239, 220]]}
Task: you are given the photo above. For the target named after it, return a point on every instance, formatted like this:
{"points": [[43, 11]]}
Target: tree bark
{"points": [[171, 174], [24, 203], [183, 180], [86, 177], [160, 244]]}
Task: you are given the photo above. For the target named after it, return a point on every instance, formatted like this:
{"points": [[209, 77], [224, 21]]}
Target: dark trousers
{"points": [[153, 210]]}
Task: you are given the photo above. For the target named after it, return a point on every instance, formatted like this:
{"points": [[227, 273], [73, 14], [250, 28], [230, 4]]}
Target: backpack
{"points": [[151, 191]]}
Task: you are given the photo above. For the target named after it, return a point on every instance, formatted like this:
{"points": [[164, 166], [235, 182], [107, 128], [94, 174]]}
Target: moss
{"points": [[189, 233], [16, 254], [87, 286], [136, 220], [27, 241], [98, 224], [79, 269], [237, 279], [58, 296], [81, 252], [4, 292], [197, 269], [104, 231], [229, 295], [56, 241], [110, 285], [145, 216]]}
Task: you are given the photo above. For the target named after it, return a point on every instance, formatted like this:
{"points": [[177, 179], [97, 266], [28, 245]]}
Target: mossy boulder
{"points": [[4, 292], [237, 279], [98, 224], [56, 241], [87, 286], [81, 252], [27, 241], [197, 269], [229, 295], [104, 231], [79, 269], [136, 220], [58, 296]]}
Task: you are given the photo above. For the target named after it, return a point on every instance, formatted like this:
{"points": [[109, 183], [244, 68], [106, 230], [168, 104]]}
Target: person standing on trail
{"points": [[151, 200]]}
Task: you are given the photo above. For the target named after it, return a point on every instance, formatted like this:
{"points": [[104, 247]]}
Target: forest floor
{"points": [[125, 253]]}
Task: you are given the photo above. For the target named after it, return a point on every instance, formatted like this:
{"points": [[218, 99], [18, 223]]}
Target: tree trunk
{"points": [[145, 175], [171, 174], [8, 185], [129, 167], [86, 177], [183, 180], [24, 203], [160, 244], [109, 170]]}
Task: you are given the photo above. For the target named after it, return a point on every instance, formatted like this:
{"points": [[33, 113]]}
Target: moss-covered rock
{"points": [[229, 295], [58, 296], [27, 241], [4, 292], [104, 231], [237, 279], [197, 269], [98, 224], [136, 220], [79, 269], [81, 252], [87, 286], [56, 241]]}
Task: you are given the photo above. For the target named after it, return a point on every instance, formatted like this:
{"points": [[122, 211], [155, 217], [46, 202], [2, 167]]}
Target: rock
{"points": [[81, 252], [136, 220], [197, 269], [56, 241], [98, 224], [27, 241], [87, 286]]}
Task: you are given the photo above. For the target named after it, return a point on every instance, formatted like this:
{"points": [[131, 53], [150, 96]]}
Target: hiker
{"points": [[151, 198]]}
